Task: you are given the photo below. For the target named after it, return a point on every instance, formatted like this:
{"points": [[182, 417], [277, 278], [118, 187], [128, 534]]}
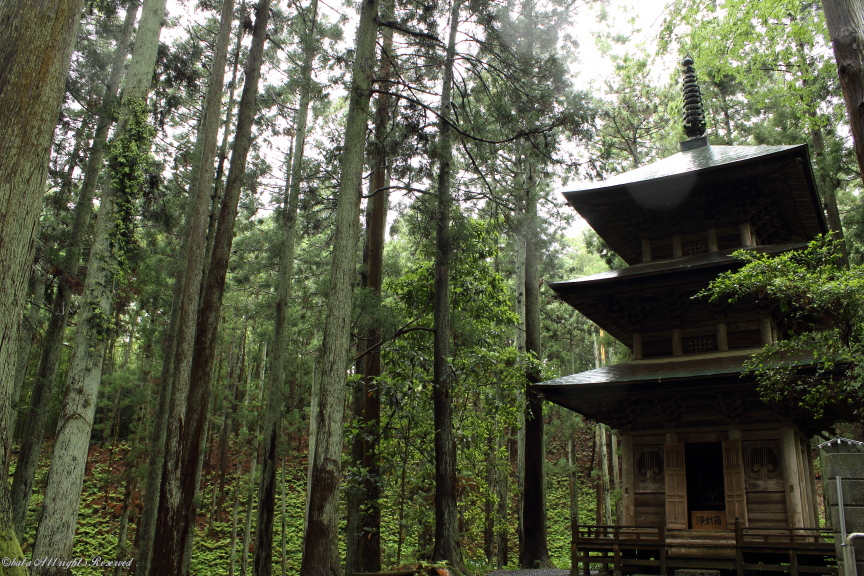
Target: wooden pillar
{"points": [[792, 476], [811, 517], [628, 482], [637, 346], [676, 483], [646, 250], [766, 331], [733, 471], [722, 338], [712, 241], [746, 235], [677, 350], [677, 252]]}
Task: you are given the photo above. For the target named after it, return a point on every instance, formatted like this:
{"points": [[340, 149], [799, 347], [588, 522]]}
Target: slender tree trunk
{"points": [[247, 530], [616, 475], [489, 502], [363, 545], [192, 374], [320, 543], [503, 497], [447, 545], [218, 187], [124, 524], [29, 335], [534, 551], [234, 521], [573, 485], [284, 519], [604, 474], [35, 52], [845, 20], [56, 530], [276, 383]]}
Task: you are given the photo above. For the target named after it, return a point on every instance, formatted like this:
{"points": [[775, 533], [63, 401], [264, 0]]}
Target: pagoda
{"points": [[704, 460]]}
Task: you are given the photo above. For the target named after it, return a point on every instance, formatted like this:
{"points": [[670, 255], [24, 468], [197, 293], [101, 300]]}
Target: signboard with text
{"points": [[708, 520]]}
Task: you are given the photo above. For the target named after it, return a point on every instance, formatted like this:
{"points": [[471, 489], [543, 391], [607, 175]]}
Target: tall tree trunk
{"points": [[533, 551], [573, 486], [321, 538], [218, 187], [28, 336], [276, 383], [35, 52], [447, 545], [234, 521], [247, 529], [845, 20], [363, 539], [131, 142], [194, 364], [124, 524]]}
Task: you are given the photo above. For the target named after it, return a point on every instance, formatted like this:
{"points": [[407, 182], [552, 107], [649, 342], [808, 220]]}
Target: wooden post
{"points": [[746, 235], [739, 553], [712, 241], [646, 250], [792, 476], [676, 246], [637, 346], [766, 332], [722, 338], [628, 487], [662, 554], [676, 484], [733, 471], [676, 342]]}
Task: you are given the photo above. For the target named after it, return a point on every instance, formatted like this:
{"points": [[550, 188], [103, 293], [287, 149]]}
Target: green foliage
{"points": [[818, 305], [127, 157]]}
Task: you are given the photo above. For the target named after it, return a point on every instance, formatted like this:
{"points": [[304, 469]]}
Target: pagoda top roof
{"points": [[682, 163], [709, 187]]}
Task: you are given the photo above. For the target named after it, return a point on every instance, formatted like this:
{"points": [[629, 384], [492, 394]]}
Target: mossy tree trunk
{"points": [[128, 150], [321, 538], [192, 377], [447, 546], [52, 342], [35, 52]]}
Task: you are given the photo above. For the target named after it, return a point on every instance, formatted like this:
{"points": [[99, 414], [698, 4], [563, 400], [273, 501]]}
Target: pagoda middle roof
{"points": [[709, 187], [621, 301]]}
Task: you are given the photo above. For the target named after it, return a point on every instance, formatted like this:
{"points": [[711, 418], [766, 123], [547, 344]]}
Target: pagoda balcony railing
{"points": [[622, 550]]}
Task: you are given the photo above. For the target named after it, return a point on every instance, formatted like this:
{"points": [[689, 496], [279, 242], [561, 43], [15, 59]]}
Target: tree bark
{"points": [[35, 52], [275, 406], [321, 538], [534, 550], [363, 538], [56, 530], [447, 546], [52, 343], [845, 20], [194, 362]]}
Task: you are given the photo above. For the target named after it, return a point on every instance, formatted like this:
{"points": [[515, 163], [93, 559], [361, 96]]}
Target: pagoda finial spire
{"points": [[694, 115]]}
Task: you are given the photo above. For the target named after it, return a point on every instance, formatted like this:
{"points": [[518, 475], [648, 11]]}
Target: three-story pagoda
{"points": [[699, 448]]}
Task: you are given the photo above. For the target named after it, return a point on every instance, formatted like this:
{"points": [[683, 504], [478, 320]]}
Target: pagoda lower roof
{"points": [[648, 371], [693, 390], [717, 187]]}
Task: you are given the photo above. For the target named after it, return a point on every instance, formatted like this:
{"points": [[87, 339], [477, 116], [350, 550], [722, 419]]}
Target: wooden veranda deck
{"points": [[623, 550]]}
